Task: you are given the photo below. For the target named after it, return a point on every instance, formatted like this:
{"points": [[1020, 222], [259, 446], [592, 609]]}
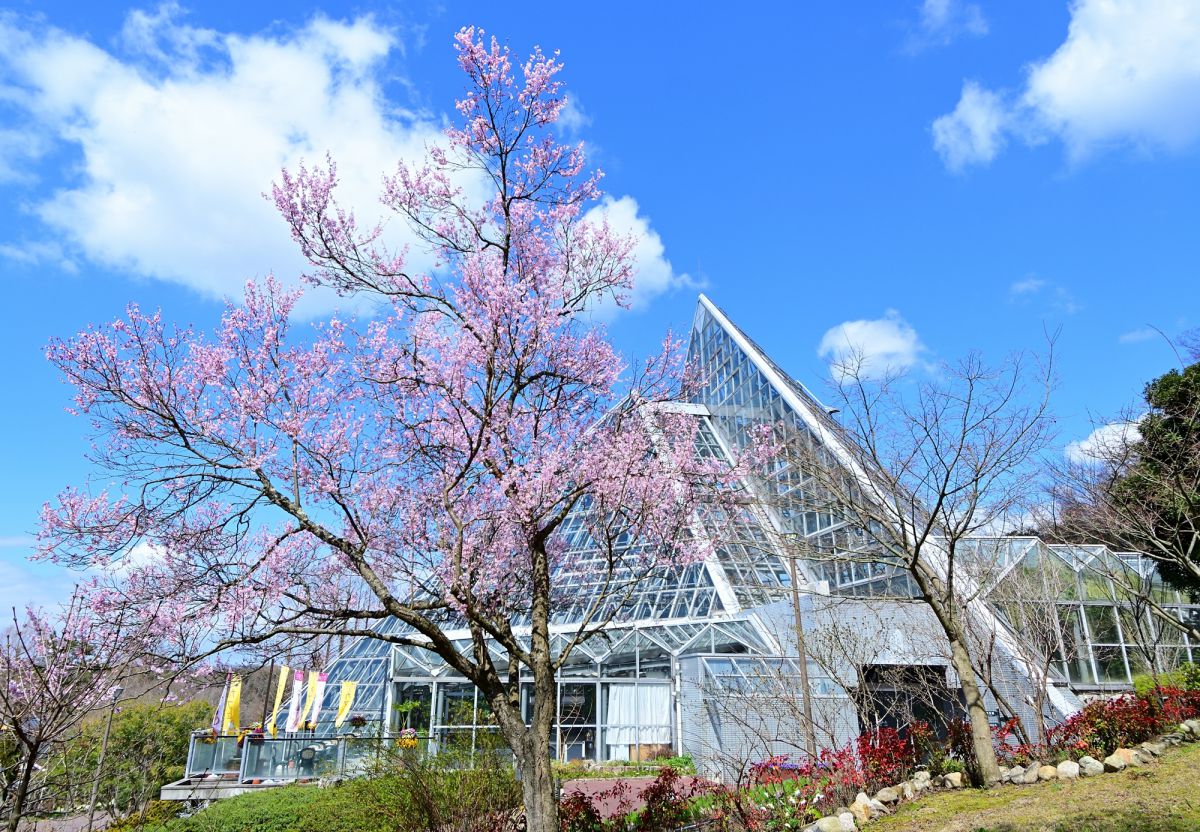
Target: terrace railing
{"points": [[263, 760]]}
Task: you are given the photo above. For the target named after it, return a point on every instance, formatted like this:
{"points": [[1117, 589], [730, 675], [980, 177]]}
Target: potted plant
{"points": [[408, 738], [358, 721], [255, 734]]}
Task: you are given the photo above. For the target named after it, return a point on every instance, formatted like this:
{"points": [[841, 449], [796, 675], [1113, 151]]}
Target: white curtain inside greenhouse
{"points": [[637, 715]]}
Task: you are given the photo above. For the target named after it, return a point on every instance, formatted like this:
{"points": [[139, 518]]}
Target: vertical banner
{"points": [[233, 706], [312, 695], [345, 702], [273, 727], [293, 720], [218, 720], [318, 699]]}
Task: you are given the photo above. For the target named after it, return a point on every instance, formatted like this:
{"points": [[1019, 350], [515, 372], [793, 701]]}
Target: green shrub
{"points": [[1186, 677], [270, 810], [155, 813], [683, 764], [146, 750], [407, 792]]}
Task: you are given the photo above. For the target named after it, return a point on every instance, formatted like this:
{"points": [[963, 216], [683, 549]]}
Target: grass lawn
{"points": [[1163, 797]]}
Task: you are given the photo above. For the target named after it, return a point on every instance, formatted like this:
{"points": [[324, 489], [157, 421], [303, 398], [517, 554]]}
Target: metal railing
{"points": [[263, 760]]}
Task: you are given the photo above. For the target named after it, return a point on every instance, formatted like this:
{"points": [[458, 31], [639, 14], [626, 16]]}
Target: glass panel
{"points": [[1102, 624], [412, 705], [215, 756], [359, 756], [456, 704], [1170, 658], [1139, 662], [289, 759], [1110, 663], [1079, 670], [1170, 635], [577, 704], [577, 743]]}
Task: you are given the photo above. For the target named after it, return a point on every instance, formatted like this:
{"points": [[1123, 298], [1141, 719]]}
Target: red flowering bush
{"points": [[887, 755], [788, 793], [1105, 725]]}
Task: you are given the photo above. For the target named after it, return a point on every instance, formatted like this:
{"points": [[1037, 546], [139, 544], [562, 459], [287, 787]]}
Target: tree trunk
{"points": [[22, 791], [981, 731], [531, 747], [537, 790]]}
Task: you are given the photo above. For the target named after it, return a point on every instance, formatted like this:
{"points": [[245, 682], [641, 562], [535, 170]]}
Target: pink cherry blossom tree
{"points": [[419, 465], [55, 670]]}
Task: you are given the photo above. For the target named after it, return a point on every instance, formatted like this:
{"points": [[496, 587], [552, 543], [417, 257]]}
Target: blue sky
{"points": [[922, 178]]}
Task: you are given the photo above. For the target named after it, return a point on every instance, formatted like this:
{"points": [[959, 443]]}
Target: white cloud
{"points": [[180, 136], [12, 541], [1026, 286], [1137, 336], [573, 118], [1129, 71], [940, 22], [1128, 74], [1032, 289], [876, 347], [974, 133], [1105, 442], [653, 273], [39, 253], [181, 129]]}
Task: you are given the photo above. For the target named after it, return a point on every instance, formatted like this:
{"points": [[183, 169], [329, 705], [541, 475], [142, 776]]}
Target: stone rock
{"points": [[1131, 757], [862, 809], [330, 782], [887, 795], [1154, 749], [919, 786], [1114, 763], [861, 812], [922, 776], [1090, 766], [1173, 739], [907, 791], [1183, 728], [953, 780], [1068, 770], [829, 823], [1194, 726], [1047, 773], [847, 821], [1031, 773]]}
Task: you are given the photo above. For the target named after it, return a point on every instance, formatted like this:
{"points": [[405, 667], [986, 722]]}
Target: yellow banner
{"points": [[283, 675], [345, 702], [233, 707], [311, 700]]}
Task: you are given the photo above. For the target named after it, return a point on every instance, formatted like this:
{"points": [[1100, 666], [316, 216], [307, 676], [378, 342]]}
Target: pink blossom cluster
{"points": [[302, 480]]}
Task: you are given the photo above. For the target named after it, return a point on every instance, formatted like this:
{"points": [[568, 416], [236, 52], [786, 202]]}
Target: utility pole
{"points": [[267, 696], [810, 738], [100, 764]]}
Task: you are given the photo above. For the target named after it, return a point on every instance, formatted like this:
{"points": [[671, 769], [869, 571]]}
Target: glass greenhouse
{"points": [[648, 686]]}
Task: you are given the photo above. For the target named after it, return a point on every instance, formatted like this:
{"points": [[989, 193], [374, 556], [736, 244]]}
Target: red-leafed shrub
{"points": [[886, 755], [1105, 725]]}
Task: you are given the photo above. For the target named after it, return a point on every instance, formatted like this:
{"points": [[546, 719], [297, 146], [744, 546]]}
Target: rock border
{"points": [[865, 808]]}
